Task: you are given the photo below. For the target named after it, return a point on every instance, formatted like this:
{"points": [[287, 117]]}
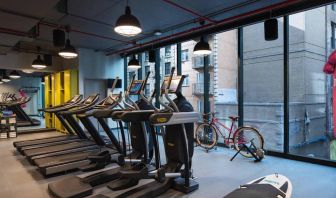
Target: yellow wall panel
{"points": [[59, 88]]}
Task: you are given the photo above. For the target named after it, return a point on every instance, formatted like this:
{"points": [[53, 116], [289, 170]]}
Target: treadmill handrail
{"points": [[84, 108], [74, 100], [165, 119], [64, 108], [136, 116]]}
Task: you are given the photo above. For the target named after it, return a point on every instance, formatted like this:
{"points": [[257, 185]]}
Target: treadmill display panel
{"points": [[164, 84], [135, 88], [174, 85]]}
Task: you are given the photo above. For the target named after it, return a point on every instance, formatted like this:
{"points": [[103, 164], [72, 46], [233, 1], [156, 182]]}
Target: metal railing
{"points": [[198, 62], [198, 89]]}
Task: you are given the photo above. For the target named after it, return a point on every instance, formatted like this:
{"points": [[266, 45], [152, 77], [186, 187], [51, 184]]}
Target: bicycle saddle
{"points": [[234, 118]]}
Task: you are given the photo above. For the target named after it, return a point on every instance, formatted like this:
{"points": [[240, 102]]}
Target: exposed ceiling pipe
{"points": [[53, 25], [20, 14], [188, 22], [41, 22], [13, 32], [181, 36], [190, 11]]}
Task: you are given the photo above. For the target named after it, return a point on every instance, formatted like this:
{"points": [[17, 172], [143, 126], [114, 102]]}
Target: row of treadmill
{"points": [[134, 153]]}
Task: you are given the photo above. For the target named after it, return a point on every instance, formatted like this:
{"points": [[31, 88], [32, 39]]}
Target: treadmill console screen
{"points": [[164, 84], [174, 85], [135, 88]]}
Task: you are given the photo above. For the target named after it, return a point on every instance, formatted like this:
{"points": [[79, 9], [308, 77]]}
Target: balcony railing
{"points": [[198, 62], [198, 89]]}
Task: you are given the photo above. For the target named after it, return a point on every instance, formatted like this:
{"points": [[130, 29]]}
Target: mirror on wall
{"points": [[22, 94]]}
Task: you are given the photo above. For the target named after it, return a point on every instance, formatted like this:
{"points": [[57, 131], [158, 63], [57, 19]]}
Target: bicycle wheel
{"points": [[251, 138], [206, 136]]}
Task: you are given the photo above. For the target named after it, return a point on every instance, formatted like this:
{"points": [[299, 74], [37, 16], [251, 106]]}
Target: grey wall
{"points": [[95, 65]]}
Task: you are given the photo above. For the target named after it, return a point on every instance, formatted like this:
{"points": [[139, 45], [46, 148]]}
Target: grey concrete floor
{"points": [[217, 176]]}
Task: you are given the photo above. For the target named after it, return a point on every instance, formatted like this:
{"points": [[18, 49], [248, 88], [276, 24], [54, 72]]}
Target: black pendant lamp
{"points": [[133, 64], [38, 63], [14, 74], [5, 78], [202, 48], [68, 51], [127, 24]]}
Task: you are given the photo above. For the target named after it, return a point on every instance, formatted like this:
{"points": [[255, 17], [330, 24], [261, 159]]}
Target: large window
{"points": [[185, 55], [309, 91], [263, 84], [168, 51], [224, 66], [309, 126], [167, 68]]}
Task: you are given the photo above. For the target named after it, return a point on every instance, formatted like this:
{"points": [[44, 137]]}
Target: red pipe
{"points": [[55, 25], [13, 32], [189, 10], [278, 5], [81, 32]]}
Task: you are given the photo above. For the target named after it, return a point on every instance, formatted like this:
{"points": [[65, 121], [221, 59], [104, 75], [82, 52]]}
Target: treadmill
{"points": [[74, 160], [73, 102], [80, 144]]}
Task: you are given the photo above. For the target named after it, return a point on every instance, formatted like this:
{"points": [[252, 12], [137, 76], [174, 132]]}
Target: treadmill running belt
{"points": [[56, 148], [44, 141], [63, 159], [152, 189], [74, 186]]}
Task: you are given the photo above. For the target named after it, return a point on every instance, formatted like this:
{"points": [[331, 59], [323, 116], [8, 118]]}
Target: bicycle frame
{"points": [[227, 140]]}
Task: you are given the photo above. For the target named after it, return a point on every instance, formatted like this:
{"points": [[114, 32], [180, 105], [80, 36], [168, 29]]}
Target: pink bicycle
{"points": [[246, 140]]}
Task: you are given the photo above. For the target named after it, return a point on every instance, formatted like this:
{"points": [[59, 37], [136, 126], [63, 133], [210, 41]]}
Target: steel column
{"points": [[240, 76]]}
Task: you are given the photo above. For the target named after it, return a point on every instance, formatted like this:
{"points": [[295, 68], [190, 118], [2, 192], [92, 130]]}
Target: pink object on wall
{"points": [[22, 94]]}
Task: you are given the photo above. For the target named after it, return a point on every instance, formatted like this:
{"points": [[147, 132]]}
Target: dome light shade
{"points": [[39, 63], [68, 51], [127, 24], [133, 64], [14, 74], [28, 71], [202, 48], [5, 78]]}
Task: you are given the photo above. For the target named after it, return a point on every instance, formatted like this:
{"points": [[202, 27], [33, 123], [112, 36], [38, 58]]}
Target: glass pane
{"points": [[193, 68], [310, 90], [263, 84], [225, 71]]}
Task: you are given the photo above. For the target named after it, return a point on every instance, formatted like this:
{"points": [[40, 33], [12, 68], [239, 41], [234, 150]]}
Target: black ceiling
{"points": [[26, 24]]}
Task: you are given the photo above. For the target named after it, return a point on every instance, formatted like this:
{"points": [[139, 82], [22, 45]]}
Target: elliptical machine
{"points": [[178, 118]]}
